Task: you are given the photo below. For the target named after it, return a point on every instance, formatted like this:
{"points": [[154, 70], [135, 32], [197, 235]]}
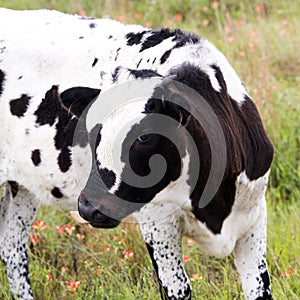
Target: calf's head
{"points": [[137, 150]]}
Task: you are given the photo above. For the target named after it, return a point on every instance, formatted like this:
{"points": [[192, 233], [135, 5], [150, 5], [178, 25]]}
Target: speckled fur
{"points": [[69, 51]]}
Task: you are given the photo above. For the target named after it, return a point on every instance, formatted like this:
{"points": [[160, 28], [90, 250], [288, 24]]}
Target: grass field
{"points": [[262, 41]]}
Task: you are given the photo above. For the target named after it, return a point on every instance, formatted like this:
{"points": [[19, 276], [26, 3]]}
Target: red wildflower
{"points": [[128, 254], [60, 229], [205, 22], [138, 15], [69, 229], [73, 286], [190, 242], [81, 12], [122, 241], [178, 17], [259, 9], [148, 24], [241, 53], [215, 4], [287, 273], [34, 240], [106, 249], [39, 225], [97, 271], [49, 276], [80, 236], [230, 39], [121, 18], [185, 258]]}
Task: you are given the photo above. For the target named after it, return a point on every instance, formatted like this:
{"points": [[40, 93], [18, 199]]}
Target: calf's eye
{"points": [[144, 139]]}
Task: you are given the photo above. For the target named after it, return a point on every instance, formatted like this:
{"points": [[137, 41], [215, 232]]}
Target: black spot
{"points": [[18, 107], [14, 187], [49, 109], [64, 159], [81, 37], [135, 38], [77, 99], [143, 73], [56, 193], [20, 77], [110, 37], [117, 54], [2, 76], [108, 177], [156, 38], [266, 280], [115, 74], [92, 25], [36, 157], [95, 62], [137, 66], [165, 56]]}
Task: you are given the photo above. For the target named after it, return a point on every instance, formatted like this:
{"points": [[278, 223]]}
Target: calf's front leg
{"points": [[162, 232], [16, 216], [250, 260]]}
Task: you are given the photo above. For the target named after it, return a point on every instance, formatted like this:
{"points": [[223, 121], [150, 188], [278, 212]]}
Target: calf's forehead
{"points": [[114, 131]]}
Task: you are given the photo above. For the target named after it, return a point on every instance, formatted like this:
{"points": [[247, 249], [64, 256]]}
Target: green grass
{"points": [[263, 46]]}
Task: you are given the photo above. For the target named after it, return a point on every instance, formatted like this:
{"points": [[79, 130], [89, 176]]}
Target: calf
{"points": [[57, 70]]}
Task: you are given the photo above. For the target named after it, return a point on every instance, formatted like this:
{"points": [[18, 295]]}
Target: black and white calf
{"points": [[52, 67]]}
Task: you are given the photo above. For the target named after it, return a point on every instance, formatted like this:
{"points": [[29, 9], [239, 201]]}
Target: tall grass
{"points": [[261, 40]]}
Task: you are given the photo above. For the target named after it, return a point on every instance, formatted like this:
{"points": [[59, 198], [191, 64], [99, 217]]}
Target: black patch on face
{"points": [[56, 193], [108, 177], [2, 76], [14, 187], [135, 38], [18, 107], [140, 151], [36, 157]]}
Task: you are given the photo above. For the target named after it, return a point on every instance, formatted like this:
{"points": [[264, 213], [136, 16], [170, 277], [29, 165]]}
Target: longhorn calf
{"points": [[54, 68]]}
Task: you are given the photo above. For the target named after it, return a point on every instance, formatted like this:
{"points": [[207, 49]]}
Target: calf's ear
{"points": [[77, 99], [175, 101]]}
